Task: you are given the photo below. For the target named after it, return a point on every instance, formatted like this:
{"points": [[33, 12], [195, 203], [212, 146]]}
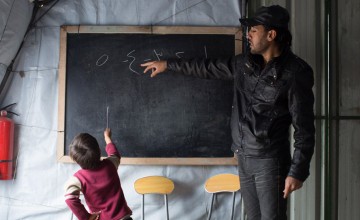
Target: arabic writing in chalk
{"points": [[131, 57], [102, 60]]}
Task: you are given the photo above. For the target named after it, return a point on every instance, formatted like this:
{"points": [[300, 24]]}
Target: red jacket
{"points": [[101, 189]]}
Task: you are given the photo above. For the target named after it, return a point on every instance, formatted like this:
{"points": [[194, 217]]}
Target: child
{"points": [[98, 181]]}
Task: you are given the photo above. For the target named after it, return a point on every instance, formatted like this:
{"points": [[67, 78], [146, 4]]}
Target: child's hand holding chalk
{"points": [[107, 135]]}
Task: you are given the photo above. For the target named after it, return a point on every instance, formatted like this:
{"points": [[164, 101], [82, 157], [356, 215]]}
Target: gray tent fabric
{"points": [[14, 18], [37, 191]]}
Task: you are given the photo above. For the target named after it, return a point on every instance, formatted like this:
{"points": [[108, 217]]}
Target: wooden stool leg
{"points": [[233, 206], [167, 207], [143, 207], [211, 205]]}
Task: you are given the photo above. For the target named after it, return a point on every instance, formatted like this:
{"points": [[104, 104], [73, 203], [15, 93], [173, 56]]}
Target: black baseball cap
{"points": [[271, 16]]}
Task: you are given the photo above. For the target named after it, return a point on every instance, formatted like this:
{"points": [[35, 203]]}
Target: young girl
{"points": [[98, 181]]}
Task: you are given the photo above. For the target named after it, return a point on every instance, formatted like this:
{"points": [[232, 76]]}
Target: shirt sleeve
{"points": [[113, 154], [301, 102], [223, 68], [72, 193]]}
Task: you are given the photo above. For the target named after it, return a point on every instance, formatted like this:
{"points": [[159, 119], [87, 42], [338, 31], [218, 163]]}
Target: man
{"points": [[273, 89]]}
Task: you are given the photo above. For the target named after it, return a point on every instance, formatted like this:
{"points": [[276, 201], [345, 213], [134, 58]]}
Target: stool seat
{"points": [[222, 183], [154, 185]]}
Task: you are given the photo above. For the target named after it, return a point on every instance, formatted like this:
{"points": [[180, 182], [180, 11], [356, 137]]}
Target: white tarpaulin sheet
{"points": [[37, 190], [14, 18]]}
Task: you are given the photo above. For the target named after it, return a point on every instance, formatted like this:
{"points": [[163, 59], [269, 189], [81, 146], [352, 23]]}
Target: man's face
{"points": [[258, 39]]}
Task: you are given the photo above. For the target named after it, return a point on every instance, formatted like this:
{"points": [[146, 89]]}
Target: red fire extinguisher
{"points": [[6, 146]]}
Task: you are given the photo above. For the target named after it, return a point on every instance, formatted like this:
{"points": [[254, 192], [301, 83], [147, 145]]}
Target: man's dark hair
{"points": [[283, 36], [85, 151]]}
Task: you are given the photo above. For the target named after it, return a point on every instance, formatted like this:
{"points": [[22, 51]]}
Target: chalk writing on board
{"points": [[133, 58], [158, 55], [132, 61], [102, 60]]}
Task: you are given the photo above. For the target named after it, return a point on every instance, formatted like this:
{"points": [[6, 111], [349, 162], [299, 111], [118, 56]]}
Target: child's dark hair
{"points": [[85, 150]]}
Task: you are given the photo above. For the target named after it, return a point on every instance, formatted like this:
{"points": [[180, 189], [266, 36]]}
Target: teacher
{"points": [[272, 90]]}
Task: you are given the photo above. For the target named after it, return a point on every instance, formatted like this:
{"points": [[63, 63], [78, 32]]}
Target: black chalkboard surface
{"points": [[173, 117]]}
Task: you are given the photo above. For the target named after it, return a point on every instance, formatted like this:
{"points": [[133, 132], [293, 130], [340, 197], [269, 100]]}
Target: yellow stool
{"points": [[154, 185], [222, 183]]}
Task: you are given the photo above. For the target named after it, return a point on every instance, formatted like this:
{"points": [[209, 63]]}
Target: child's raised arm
{"points": [[107, 136], [112, 152]]}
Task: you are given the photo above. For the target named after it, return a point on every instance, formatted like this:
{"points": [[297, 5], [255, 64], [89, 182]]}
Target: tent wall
{"points": [[14, 18]]}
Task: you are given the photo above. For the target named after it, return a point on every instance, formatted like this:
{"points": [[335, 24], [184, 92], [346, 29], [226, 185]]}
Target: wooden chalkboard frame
{"points": [[64, 30]]}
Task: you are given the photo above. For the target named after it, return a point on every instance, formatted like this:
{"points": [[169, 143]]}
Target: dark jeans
{"points": [[262, 183]]}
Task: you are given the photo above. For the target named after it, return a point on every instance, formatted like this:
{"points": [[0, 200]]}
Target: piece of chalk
{"points": [[107, 117]]}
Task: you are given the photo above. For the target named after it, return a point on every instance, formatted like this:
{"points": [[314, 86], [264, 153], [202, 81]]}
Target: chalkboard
{"points": [[168, 119]]}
